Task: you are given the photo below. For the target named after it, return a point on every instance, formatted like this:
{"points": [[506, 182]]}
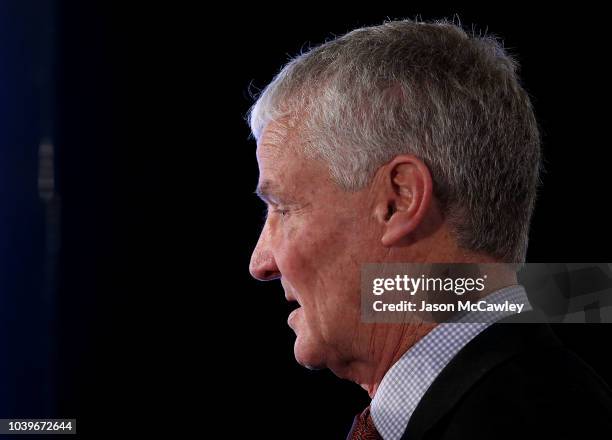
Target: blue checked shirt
{"points": [[409, 378]]}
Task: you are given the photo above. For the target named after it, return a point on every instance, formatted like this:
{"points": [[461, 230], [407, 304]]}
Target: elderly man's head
{"points": [[405, 142]]}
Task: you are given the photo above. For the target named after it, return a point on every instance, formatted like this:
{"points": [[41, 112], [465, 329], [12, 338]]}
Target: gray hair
{"points": [[429, 89]]}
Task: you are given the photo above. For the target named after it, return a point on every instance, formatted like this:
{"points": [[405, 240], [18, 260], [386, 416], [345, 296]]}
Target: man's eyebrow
{"points": [[267, 190]]}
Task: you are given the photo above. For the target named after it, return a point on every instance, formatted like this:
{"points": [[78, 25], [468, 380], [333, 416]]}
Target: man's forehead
{"points": [[267, 151], [276, 177], [274, 141], [283, 167], [276, 150], [276, 162], [274, 165]]}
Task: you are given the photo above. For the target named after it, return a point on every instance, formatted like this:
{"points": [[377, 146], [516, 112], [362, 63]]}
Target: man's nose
{"points": [[263, 265]]}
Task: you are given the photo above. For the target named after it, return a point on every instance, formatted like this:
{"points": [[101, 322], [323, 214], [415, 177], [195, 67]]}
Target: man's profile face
{"points": [[315, 237]]}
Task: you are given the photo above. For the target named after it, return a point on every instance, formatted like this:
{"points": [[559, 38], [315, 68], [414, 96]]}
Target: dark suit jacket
{"points": [[514, 381]]}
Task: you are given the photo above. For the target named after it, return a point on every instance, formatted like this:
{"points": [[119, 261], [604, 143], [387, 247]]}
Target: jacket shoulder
{"points": [[547, 392], [513, 380]]}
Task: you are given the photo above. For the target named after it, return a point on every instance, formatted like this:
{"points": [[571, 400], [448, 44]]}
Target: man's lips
{"points": [[293, 305], [291, 298], [292, 314]]}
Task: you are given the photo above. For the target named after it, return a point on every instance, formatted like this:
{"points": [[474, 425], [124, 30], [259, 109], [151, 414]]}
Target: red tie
{"points": [[363, 427]]}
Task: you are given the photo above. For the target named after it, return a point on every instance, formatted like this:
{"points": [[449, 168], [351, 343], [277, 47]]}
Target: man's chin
{"points": [[308, 355]]}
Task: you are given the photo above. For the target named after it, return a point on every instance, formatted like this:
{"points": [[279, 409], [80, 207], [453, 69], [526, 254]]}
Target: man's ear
{"points": [[407, 198]]}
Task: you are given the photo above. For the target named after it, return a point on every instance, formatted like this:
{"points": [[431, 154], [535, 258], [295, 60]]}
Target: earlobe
{"points": [[399, 225]]}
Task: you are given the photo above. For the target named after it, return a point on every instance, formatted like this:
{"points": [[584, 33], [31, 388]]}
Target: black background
{"points": [[160, 326]]}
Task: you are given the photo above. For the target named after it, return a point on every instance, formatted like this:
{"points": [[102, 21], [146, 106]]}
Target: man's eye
{"points": [[275, 210]]}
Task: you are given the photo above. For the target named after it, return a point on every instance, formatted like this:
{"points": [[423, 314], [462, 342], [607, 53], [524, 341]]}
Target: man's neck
{"points": [[387, 343]]}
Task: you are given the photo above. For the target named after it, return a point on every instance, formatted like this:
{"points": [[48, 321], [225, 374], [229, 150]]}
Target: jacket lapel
{"points": [[494, 345]]}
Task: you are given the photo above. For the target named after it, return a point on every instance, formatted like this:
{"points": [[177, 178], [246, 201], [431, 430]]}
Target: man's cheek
{"points": [[296, 265]]}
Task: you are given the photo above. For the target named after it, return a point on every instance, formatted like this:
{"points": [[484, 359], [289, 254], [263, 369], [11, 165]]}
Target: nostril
{"points": [[269, 275], [262, 274]]}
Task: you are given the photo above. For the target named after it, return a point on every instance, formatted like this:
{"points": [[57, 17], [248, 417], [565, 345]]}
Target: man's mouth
{"points": [[291, 299], [292, 304], [295, 308]]}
